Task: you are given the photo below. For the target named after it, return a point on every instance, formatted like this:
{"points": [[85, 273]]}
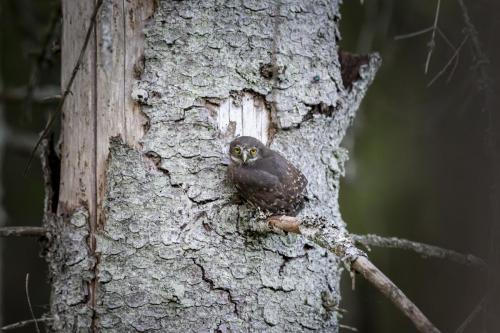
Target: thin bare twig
{"points": [[454, 48], [22, 231], [347, 327], [446, 39], [414, 34], [327, 236], [477, 309], [424, 250], [25, 322], [455, 55], [67, 91], [29, 301], [432, 42]]}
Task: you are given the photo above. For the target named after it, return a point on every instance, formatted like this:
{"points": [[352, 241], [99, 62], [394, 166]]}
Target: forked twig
{"points": [[448, 64]]}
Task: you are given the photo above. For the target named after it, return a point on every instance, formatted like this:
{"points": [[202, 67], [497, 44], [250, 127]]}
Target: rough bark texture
{"points": [[172, 251]]}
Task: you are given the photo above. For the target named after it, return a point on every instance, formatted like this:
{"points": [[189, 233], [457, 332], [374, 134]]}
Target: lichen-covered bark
{"points": [[175, 253], [71, 268]]}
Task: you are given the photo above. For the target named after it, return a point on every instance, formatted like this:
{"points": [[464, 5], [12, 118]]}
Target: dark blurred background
{"points": [[423, 159]]}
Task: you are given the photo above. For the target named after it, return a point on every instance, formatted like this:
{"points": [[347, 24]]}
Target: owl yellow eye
{"points": [[253, 151], [237, 150]]}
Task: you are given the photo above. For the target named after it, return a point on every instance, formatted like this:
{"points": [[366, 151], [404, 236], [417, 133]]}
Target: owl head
{"points": [[246, 150]]}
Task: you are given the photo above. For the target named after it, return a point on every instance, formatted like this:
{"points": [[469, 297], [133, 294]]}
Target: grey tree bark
{"points": [[145, 234]]}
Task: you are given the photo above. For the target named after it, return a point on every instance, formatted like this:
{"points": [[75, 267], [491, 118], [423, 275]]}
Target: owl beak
{"points": [[245, 156]]}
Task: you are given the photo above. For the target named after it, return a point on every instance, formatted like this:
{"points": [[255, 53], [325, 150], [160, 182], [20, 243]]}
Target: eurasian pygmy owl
{"points": [[265, 178]]}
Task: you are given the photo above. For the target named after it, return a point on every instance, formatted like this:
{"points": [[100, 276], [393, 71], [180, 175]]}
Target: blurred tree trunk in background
{"points": [[144, 233]]}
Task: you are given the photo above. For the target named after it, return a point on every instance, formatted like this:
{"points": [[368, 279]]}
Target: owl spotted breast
{"points": [[265, 178]]}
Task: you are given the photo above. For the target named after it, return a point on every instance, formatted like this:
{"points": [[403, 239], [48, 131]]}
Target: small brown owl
{"points": [[265, 178]]}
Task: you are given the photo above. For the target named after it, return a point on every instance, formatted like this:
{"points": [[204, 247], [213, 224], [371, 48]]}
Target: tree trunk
{"points": [[145, 234]]}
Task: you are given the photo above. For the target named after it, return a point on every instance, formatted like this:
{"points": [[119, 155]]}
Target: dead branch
{"points": [[25, 322], [425, 250], [22, 231], [339, 242], [67, 91]]}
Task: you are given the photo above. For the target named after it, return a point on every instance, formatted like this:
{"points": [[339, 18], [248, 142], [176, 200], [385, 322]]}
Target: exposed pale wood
{"points": [[244, 114], [120, 47], [100, 103], [78, 117]]}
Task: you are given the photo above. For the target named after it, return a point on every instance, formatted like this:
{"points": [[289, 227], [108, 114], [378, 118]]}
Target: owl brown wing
{"points": [[265, 190], [259, 187], [292, 183]]}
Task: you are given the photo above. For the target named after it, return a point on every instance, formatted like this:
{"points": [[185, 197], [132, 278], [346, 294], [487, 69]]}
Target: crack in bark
{"points": [[286, 260], [212, 285], [276, 289], [321, 108], [51, 169]]}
